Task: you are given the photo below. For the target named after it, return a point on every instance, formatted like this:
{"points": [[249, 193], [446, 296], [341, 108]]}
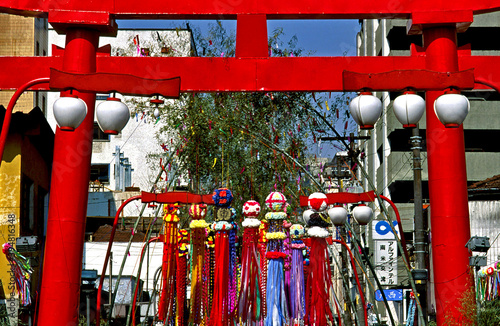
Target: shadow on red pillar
{"points": [[450, 227], [60, 291]]}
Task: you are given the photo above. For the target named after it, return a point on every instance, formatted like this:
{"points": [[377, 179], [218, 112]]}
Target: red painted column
{"points": [[450, 228], [60, 291]]}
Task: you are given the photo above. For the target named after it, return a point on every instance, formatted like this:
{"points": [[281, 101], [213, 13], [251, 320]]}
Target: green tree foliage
{"points": [[252, 143]]}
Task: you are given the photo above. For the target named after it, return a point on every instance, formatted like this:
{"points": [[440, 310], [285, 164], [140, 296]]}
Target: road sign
{"points": [[391, 295]]}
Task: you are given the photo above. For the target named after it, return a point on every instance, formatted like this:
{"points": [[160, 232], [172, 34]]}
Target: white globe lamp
{"points": [[69, 112], [365, 110], [112, 115], [362, 214], [451, 109], [338, 215], [408, 109]]}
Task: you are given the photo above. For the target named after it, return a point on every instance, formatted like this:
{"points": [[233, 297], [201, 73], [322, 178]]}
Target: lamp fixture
{"points": [[409, 108], [112, 115], [451, 108], [365, 110], [69, 112]]}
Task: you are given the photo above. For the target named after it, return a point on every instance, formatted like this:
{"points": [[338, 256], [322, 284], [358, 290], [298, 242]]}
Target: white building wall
{"points": [[137, 140], [95, 252]]}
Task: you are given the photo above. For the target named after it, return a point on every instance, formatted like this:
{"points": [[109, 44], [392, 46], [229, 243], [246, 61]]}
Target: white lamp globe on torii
{"points": [[338, 215], [69, 112], [408, 109], [365, 110], [451, 109], [112, 115], [362, 214]]}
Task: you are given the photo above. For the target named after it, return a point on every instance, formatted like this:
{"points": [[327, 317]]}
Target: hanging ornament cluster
{"points": [[249, 307], [297, 285], [488, 283], [21, 270], [319, 286], [167, 305], [276, 302], [225, 286], [198, 227]]}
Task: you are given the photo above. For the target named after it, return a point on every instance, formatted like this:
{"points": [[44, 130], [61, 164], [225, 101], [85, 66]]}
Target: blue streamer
{"points": [[277, 313]]}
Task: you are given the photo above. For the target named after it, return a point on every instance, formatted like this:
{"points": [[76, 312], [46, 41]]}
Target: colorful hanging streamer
{"points": [[21, 270]]}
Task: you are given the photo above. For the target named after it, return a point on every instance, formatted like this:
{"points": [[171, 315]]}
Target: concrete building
{"points": [[24, 36], [388, 155]]}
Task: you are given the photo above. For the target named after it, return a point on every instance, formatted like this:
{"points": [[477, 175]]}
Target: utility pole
{"points": [[352, 152], [420, 271]]}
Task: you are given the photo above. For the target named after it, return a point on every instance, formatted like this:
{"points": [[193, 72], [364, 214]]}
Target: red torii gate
{"points": [[252, 70]]}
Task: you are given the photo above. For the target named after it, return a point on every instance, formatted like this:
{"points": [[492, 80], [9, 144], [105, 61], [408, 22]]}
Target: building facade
{"points": [[388, 155]]}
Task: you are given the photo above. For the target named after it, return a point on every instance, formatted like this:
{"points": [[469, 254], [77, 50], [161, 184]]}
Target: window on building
{"points": [[99, 172], [99, 134]]}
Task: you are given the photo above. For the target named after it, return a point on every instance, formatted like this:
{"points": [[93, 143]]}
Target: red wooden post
{"points": [[447, 187], [59, 297]]}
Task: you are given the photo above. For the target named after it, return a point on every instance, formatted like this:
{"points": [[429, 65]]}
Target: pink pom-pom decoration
{"points": [[317, 201], [251, 208], [275, 201]]}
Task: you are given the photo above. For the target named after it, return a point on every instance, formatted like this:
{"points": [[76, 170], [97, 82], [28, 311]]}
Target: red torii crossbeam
{"points": [[253, 70]]}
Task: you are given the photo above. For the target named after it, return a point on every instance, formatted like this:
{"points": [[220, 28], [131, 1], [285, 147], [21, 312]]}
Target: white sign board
{"points": [[386, 262], [381, 230]]}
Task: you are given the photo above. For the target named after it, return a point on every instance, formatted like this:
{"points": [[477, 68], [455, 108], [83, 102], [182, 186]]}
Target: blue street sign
{"points": [[391, 295]]}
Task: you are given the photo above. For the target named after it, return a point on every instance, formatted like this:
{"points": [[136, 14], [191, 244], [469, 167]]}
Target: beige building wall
{"points": [[23, 36]]}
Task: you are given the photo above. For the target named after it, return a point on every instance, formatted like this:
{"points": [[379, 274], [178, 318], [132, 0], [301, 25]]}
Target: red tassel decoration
{"points": [[197, 226], [220, 303], [181, 278], [318, 285], [167, 298]]}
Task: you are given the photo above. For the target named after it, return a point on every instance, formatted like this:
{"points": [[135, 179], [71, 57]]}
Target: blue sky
{"points": [[323, 37]]}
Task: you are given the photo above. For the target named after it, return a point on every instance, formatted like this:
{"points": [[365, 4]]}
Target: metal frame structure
{"points": [[252, 70]]}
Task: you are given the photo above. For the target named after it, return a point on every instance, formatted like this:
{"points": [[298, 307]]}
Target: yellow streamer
{"points": [[215, 161], [327, 107]]}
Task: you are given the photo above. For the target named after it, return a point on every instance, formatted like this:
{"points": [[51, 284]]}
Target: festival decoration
{"points": [[21, 270], [223, 299], [362, 214], [488, 283], [181, 277], [249, 308], [198, 232], [319, 287], [338, 215], [297, 288], [277, 311], [167, 308]]}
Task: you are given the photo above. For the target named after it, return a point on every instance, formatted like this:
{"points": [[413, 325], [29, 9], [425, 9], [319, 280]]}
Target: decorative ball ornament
{"points": [[251, 208], [408, 109], [275, 201], [338, 215], [112, 115], [317, 201], [156, 113], [198, 211], [69, 112], [297, 231], [306, 216], [222, 197], [365, 110], [451, 109], [363, 214]]}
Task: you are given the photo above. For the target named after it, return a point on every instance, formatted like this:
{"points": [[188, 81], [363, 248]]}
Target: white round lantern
{"points": [[408, 109], [451, 109], [363, 214], [69, 112], [156, 113], [338, 215], [112, 115], [317, 201], [365, 110], [306, 216]]}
